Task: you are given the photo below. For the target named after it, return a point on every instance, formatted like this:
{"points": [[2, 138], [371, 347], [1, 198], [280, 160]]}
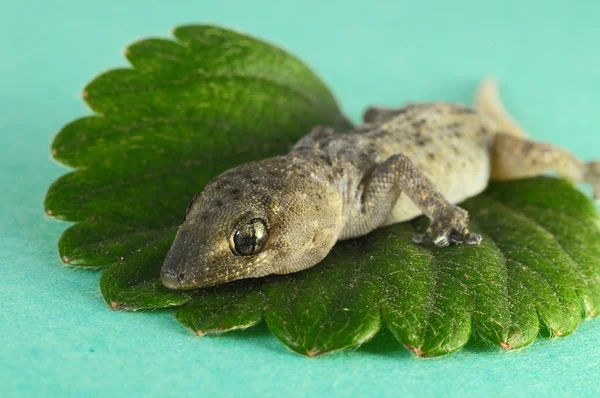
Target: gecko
{"points": [[284, 214]]}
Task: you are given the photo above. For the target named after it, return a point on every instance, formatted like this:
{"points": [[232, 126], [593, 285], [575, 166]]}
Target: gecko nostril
{"points": [[181, 276]]}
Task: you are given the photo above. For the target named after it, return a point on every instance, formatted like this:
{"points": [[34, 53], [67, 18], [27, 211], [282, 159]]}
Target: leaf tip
{"points": [[113, 304], [505, 345], [415, 350], [199, 333], [84, 94], [315, 353], [65, 259], [49, 212]]}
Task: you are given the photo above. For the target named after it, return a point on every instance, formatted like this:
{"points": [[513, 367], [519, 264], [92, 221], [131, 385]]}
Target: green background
{"points": [[57, 334]]}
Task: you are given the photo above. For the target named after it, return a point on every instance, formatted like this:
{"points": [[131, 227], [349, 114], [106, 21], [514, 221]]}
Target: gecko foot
{"points": [[450, 228]]}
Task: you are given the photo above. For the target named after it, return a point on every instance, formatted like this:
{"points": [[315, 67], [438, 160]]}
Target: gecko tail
{"points": [[592, 175], [487, 101]]}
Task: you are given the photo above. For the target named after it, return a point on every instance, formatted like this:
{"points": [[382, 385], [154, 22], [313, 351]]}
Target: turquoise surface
{"points": [[58, 337]]}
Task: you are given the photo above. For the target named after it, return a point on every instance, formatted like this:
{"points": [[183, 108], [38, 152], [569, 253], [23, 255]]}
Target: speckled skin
{"points": [[400, 163]]}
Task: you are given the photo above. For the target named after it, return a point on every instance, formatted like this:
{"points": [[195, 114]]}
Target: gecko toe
{"points": [[465, 237], [472, 239], [442, 240], [449, 229], [421, 238], [456, 237]]}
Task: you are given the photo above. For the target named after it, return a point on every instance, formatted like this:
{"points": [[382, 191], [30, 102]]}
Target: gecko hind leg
{"points": [[516, 157], [399, 175]]}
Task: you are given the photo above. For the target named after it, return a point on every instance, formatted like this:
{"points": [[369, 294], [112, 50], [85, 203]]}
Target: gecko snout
{"points": [[192, 264], [172, 279], [175, 272]]}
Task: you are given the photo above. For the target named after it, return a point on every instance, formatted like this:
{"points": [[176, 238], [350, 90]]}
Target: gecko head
{"points": [[260, 218]]}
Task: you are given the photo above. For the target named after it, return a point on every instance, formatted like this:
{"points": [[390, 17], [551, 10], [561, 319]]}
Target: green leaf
{"points": [[211, 99], [188, 110], [237, 305]]}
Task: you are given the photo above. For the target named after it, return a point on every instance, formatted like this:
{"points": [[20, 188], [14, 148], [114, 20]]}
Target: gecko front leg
{"points": [[399, 175]]}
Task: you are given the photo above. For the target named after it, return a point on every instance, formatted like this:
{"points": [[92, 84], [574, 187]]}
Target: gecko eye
{"points": [[250, 238]]}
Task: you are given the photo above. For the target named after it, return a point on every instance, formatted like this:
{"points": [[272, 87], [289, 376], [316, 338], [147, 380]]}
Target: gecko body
{"points": [[284, 214]]}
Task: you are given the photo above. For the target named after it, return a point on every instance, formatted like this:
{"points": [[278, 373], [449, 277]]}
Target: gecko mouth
{"points": [[177, 280]]}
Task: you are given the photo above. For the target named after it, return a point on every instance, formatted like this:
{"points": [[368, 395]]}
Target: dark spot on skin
{"points": [[460, 110], [275, 185], [235, 194], [341, 171], [218, 203], [421, 142], [266, 201], [453, 125], [381, 134], [431, 156], [457, 134], [528, 147], [419, 123]]}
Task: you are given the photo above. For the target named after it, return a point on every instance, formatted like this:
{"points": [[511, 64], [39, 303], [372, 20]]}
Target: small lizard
{"points": [[284, 214]]}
